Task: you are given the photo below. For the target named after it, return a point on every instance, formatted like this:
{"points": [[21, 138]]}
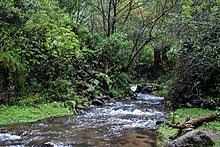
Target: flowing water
{"points": [[117, 123]]}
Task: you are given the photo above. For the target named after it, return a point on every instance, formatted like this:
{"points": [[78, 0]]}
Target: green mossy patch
{"points": [[21, 114]]}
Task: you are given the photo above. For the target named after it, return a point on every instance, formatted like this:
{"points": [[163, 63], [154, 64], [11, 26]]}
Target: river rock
{"points": [[195, 138], [189, 105], [97, 102], [49, 144], [148, 88], [159, 122], [102, 98], [3, 130], [133, 88]]}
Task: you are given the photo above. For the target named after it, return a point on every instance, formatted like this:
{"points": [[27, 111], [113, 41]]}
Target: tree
{"points": [[147, 28], [197, 71], [37, 35], [137, 19]]}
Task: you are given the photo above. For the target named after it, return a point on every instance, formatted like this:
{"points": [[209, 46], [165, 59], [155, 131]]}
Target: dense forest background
{"points": [[59, 50]]}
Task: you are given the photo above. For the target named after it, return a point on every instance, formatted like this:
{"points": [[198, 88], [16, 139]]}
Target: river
{"points": [[118, 123]]}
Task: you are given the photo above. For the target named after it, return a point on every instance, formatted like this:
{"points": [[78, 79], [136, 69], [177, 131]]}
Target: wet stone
{"points": [[3, 130], [97, 102], [193, 138]]}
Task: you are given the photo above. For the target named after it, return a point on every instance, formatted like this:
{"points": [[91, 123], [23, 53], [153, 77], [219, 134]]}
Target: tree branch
{"points": [[154, 22]]}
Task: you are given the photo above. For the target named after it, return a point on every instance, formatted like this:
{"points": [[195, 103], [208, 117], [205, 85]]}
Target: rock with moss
{"points": [[195, 138]]}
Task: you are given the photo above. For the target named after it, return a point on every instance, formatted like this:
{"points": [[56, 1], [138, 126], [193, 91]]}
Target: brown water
{"points": [[118, 123]]}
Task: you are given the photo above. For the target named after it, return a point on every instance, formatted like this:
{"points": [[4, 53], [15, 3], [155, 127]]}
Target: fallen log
{"points": [[193, 123]]}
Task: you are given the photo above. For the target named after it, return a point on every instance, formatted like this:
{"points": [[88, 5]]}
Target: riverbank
{"points": [[179, 116], [23, 114]]}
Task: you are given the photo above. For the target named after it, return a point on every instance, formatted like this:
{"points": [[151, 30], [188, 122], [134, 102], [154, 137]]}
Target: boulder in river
{"points": [[148, 88], [102, 98], [98, 102]]}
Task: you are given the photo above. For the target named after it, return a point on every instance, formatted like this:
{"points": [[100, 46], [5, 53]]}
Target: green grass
{"points": [[180, 115], [163, 92], [20, 114]]}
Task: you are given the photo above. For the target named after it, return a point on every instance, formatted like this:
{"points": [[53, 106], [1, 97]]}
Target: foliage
{"points": [[43, 41], [10, 13], [60, 90], [72, 50], [107, 82], [162, 92], [31, 100], [48, 42], [211, 102], [113, 51], [14, 71], [197, 70], [121, 80], [136, 19]]}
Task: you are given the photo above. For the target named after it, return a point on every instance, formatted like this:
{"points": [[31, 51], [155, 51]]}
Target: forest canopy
{"points": [[72, 50]]}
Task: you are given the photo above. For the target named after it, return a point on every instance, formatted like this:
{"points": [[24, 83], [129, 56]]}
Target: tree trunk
{"points": [[109, 18], [164, 54], [157, 62]]}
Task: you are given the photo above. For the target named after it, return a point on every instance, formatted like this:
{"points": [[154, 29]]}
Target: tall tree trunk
{"points": [[103, 16], [157, 62], [114, 16], [109, 18], [164, 54]]}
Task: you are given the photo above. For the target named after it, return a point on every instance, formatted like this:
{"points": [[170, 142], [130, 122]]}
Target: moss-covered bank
{"points": [[20, 114]]}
